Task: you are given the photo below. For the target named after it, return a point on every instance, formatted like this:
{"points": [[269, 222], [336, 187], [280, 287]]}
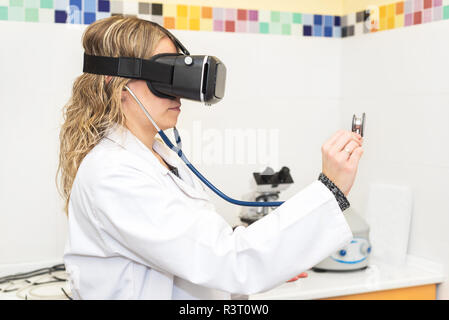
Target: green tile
{"points": [[3, 13], [48, 4], [16, 3], [286, 17], [16, 14], [31, 14], [286, 29], [297, 18], [264, 27], [32, 3], [275, 28], [275, 16], [446, 12]]}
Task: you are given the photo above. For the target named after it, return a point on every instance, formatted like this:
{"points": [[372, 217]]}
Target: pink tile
{"points": [[218, 25], [408, 20], [437, 3], [427, 15], [230, 14], [418, 5], [242, 26]]}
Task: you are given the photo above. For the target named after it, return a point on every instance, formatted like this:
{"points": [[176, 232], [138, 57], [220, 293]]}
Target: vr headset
{"points": [[168, 75]]}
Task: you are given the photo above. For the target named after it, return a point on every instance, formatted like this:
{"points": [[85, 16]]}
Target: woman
{"points": [[141, 225]]}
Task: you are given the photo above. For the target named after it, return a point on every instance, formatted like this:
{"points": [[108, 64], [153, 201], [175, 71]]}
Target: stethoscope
{"points": [[358, 124]]}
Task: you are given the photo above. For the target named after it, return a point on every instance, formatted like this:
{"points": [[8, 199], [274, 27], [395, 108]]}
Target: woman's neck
{"points": [[143, 134]]}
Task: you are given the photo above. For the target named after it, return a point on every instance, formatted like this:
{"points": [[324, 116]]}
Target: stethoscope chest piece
{"points": [[358, 124]]}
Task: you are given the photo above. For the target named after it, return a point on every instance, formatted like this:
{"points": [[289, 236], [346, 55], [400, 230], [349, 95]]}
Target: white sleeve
{"points": [[142, 220]]}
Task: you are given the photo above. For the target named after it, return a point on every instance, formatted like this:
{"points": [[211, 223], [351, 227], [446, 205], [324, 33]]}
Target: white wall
{"points": [[400, 79], [282, 83]]}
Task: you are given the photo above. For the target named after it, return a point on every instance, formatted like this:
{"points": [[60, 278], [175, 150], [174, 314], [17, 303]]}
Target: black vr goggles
{"points": [[168, 75]]}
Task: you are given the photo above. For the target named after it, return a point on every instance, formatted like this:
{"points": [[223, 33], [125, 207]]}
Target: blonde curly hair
{"points": [[95, 104]]}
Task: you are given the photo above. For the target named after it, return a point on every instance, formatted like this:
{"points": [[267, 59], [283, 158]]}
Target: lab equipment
{"points": [[200, 77], [45, 283], [354, 256], [358, 124], [268, 186]]}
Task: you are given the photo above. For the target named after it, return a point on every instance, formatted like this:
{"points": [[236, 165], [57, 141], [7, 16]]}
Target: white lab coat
{"points": [[136, 231]]}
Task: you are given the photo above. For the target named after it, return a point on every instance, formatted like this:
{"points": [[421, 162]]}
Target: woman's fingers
{"points": [[334, 138], [355, 156], [344, 139], [348, 150]]}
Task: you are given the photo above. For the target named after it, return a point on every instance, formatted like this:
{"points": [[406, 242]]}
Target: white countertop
{"points": [[378, 276]]}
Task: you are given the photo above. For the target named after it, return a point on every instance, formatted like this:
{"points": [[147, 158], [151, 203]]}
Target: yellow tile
{"points": [[182, 11], [194, 24], [169, 10], [382, 12], [382, 24], [399, 21], [182, 23], [195, 12], [206, 24], [390, 23], [391, 9]]}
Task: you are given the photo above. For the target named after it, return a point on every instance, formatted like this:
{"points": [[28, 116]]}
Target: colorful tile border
{"points": [[201, 18]]}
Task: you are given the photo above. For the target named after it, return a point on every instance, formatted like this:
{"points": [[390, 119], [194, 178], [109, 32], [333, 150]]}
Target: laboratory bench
{"points": [[415, 279]]}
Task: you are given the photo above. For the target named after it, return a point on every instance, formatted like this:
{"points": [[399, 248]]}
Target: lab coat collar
{"points": [[188, 183]]}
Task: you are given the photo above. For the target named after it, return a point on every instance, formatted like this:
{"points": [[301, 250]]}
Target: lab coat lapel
{"points": [[188, 183]]}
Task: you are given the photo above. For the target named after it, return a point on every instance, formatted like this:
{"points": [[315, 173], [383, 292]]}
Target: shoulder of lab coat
{"points": [[146, 219]]}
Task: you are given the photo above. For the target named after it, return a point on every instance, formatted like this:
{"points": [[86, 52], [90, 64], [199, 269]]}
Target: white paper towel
{"points": [[389, 210]]}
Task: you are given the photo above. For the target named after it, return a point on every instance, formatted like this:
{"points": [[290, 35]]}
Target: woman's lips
{"points": [[177, 109]]}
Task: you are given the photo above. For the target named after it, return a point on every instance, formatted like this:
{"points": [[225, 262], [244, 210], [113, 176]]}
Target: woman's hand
{"points": [[341, 155]]}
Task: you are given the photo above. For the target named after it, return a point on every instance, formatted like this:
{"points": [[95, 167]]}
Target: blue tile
{"points": [[328, 20], [60, 16], [318, 31], [102, 15], [337, 32], [307, 19], [104, 6], [89, 17], [318, 19], [61, 5], [307, 30], [90, 5], [327, 31], [337, 21], [76, 3]]}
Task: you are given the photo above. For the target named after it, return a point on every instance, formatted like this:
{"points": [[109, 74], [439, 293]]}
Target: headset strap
{"points": [[128, 68]]}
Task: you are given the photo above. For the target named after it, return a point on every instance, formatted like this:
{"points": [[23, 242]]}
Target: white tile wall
{"points": [[399, 79]]}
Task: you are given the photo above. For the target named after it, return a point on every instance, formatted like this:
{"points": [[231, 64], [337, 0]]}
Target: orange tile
{"points": [[169, 22], [206, 12], [400, 7], [194, 24]]}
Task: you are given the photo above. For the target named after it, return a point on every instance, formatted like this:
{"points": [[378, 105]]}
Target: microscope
{"points": [[268, 186]]}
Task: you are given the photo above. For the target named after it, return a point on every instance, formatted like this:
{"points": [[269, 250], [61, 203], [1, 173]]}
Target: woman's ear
{"points": [[107, 79]]}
